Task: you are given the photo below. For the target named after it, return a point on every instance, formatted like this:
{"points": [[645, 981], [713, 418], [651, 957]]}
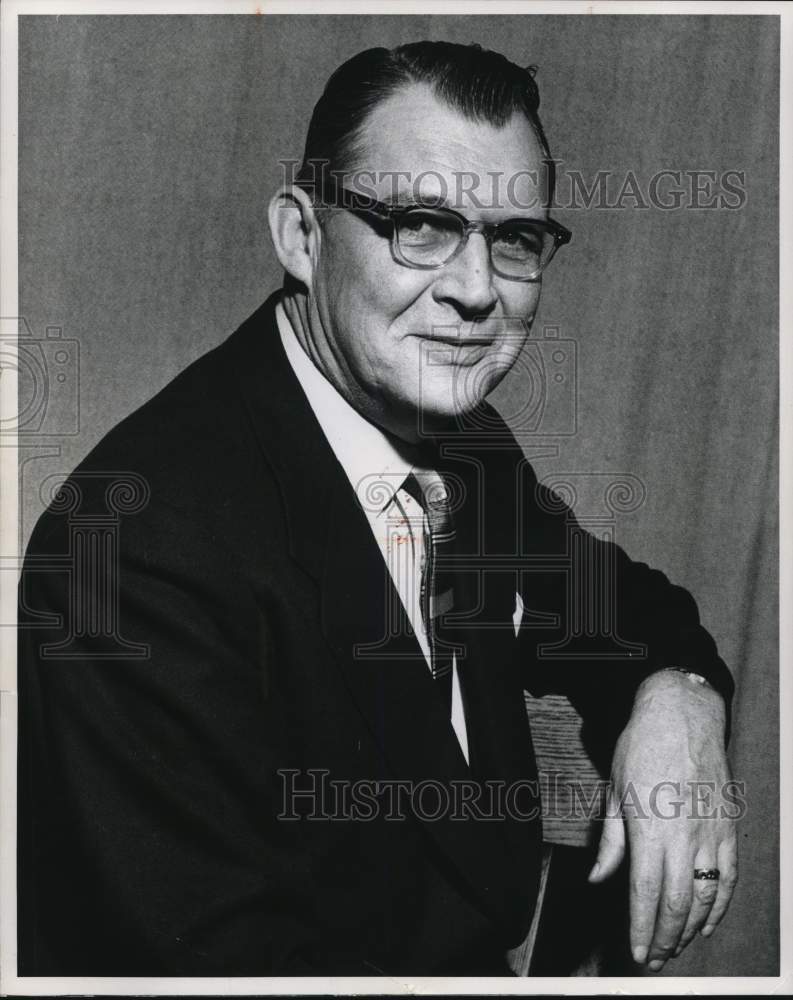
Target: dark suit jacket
{"points": [[248, 645]]}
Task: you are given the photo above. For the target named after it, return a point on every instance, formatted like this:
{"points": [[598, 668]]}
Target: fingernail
{"points": [[677, 951], [707, 930], [595, 871], [656, 965], [639, 955]]}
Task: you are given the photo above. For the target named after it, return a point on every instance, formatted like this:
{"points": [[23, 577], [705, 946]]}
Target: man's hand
{"points": [[667, 791]]}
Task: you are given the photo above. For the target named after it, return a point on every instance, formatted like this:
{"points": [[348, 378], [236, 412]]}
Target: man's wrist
{"points": [[695, 688]]}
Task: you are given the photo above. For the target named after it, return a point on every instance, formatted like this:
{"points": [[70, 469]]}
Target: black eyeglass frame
{"points": [[354, 201]]}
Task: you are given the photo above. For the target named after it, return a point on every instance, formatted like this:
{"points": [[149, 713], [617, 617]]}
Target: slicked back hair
{"points": [[482, 85]]}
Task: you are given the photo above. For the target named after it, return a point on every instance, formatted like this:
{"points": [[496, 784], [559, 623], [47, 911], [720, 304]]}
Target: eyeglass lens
{"points": [[430, 237]]}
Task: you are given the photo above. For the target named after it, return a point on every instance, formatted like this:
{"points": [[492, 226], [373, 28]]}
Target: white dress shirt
{"points": [[376, 469]]}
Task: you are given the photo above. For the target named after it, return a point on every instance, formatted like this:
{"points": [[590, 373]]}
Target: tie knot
{"points": [[428, 489]]}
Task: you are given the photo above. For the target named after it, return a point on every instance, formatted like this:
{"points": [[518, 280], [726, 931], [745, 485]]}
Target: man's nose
{"points": [[467, 281]]}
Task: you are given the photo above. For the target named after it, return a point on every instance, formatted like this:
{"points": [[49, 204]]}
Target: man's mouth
{"points": [[455, 352], [453, 341]]}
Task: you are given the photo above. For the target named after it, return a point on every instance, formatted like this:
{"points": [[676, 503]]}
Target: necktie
{"points": [[437, 592]]}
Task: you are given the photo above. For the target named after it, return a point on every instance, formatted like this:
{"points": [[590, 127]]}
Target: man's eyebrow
{"points": [[407, 199]]}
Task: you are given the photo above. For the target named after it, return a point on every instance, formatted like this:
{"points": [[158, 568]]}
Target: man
{"points": [[340, 575]]}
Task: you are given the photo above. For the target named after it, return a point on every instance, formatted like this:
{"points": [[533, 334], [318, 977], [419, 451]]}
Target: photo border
{"points": [[10, 983]]}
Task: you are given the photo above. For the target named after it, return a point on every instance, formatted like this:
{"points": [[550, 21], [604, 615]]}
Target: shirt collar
{"points": [[375, 468]]}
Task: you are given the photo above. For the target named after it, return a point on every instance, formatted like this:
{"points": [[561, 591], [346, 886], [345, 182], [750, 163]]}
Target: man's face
{"points": [[395, 340]]}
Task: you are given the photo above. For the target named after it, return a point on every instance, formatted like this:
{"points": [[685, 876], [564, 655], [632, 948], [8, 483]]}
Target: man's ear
{"points": [[295, 232]]}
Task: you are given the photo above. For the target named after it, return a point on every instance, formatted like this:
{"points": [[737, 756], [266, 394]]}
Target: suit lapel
{"points": [[379, 659]]}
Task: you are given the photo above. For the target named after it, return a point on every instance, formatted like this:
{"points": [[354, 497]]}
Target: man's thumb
{"points": [[611, 850]]}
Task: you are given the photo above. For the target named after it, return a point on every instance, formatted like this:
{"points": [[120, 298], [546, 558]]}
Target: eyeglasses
{"points": [[428, 238]]}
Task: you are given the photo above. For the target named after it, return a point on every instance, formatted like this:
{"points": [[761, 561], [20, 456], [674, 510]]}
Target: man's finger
{"points": [[704, 895], [645, 890], [674, 906], [728, 868], [612, 847]]}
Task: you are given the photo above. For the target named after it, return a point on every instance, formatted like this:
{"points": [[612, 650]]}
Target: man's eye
{"points": [[417, 228], [520, 243], [416, 223]]}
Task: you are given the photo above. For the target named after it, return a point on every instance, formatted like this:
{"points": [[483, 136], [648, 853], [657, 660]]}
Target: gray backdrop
{"points": [[149, 148]]}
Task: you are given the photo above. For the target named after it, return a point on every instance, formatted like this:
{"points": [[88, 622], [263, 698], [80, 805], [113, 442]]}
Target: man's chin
{"points": [[456, 397], [439, 418], [438, 408]]}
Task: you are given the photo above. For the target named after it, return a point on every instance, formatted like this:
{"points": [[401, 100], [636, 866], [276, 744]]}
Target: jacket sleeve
{"points": [[148, 838], [597, 623]]}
